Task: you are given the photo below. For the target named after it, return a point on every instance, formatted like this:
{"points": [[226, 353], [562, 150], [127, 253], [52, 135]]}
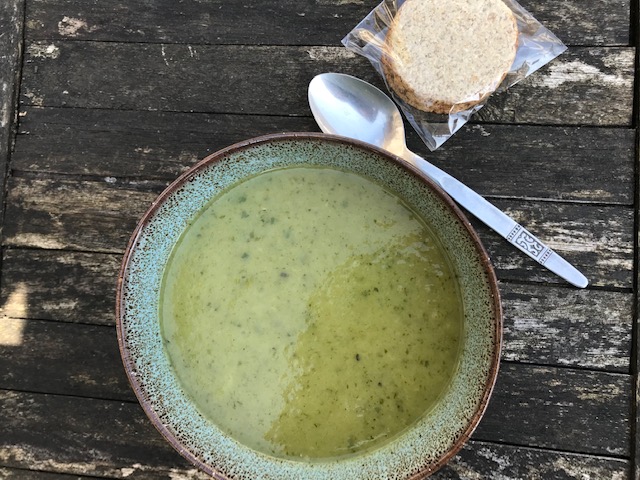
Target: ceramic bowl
{"points": [[416, 452]]}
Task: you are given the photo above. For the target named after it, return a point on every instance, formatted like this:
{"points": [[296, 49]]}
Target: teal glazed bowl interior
{"points": [[415, 451]]}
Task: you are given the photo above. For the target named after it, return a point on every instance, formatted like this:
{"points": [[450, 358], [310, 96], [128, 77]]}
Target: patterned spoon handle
{"points": [[499, 221]]}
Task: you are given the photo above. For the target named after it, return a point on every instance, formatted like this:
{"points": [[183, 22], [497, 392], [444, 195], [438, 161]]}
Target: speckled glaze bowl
{"points": [[415, 453]]}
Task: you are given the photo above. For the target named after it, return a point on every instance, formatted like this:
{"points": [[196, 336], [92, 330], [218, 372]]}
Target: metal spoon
{"points": [[347, 106]]}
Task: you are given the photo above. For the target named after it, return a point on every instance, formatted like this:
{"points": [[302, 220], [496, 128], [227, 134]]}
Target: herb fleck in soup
{"points": [[308, 312]]}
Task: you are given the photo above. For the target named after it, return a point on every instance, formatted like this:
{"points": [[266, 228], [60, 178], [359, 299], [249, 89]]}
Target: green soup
{"points": [[310, 313]]}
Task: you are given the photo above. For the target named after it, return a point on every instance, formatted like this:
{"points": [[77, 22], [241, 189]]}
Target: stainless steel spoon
{"points": [[350, 107]]}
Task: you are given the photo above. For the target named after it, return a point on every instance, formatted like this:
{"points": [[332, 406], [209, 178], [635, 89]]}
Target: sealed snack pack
{"points": [[441, 60]]}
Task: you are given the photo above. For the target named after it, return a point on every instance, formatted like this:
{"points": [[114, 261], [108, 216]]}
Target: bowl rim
{"points": [[220, 154]]}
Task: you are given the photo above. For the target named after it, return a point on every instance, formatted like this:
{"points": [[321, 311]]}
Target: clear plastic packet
{"points": [[437, 120]]}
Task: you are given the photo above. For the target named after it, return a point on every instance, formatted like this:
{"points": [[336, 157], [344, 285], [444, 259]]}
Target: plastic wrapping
{"points": [[434, 120]]}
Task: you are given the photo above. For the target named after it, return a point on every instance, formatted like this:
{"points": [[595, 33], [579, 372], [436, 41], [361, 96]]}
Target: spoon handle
{"points": [[499, 221]]}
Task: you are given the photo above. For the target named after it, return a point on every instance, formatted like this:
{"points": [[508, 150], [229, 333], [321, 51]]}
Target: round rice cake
{"points": [[446, 56]]}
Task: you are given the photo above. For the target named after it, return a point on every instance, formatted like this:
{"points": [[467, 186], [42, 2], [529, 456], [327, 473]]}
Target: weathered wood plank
{"points": [[475, 460], [525, 161], [558, 408], [552, 163], [22, 474], [55, 357], [600, 22], [635, 357], [480, 460], [636, 420], [111, 438], [595, 239], [262, 22], [81, 359], [81, 215], [11, 27], [288, 22], [543, 325], [578, 81], [149, 145], [61, 213], [579, 328], [58, 285], [584, 86], [84, 437]]}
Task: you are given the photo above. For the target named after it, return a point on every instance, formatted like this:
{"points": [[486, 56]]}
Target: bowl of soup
{"points": [[303, 306]]}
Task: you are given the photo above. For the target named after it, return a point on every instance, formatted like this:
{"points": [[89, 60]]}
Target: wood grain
{"points": [[552, 163], [288, 22], [103, 437], [57, 285], [595, 239], [577, 24], [581, 78], [584, 86], [134, 144], [22, 474], [55, 357], [85, 437], [559, 408], [567, 326], [99, 216], [11, 32], [543, 325], [36, 349], [481, 460], [95, 216]]}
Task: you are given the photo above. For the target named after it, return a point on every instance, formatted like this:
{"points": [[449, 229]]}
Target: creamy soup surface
{"points": [[310, 313]]}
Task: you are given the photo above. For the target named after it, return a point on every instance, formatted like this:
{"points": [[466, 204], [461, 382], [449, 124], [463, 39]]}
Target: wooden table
{"points": [[114, 99]]}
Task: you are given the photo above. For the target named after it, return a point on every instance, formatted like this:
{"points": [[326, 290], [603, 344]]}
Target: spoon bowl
{"points": [[347, 106]]}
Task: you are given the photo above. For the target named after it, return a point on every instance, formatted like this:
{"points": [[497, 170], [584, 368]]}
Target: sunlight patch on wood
{"points": [[12, 328]]}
